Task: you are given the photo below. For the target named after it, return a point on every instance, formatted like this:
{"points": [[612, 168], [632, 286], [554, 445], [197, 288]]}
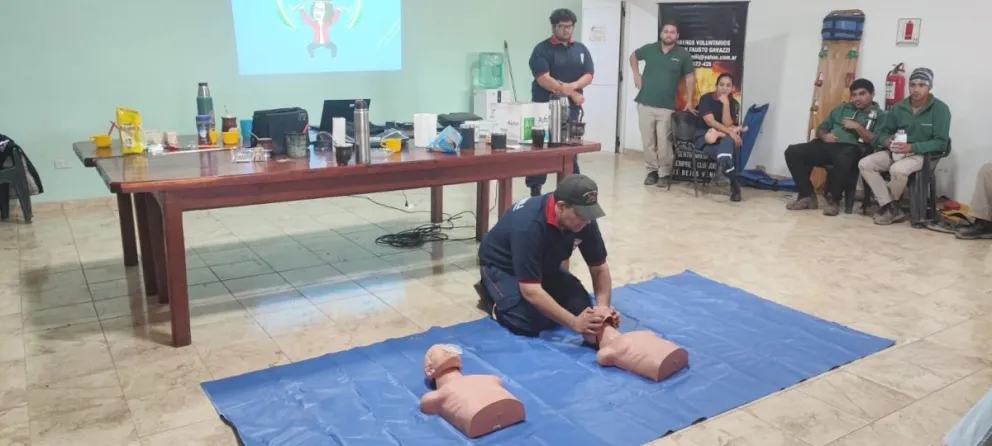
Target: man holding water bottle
{"points": [[918, 125]]}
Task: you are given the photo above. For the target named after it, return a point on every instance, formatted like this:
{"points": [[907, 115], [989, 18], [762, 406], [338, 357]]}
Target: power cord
{"points": [[425, 233]]}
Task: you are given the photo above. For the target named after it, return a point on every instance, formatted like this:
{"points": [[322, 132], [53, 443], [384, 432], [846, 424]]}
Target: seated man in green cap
{"points": [[523, 281]]}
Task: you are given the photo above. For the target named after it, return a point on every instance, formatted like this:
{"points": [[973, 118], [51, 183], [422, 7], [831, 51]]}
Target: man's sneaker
{"points": [[832, 209], [651, 179], [802, 204], [980, 230], [663, 180], [889, 214]]}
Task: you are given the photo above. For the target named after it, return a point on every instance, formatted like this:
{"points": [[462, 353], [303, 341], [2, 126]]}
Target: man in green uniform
{"points": [[837, 144], [665, 64], [926, 122]]}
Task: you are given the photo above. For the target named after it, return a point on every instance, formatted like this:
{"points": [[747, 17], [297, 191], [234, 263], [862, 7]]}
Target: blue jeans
{"points": [[539, 180], [722, 151]]}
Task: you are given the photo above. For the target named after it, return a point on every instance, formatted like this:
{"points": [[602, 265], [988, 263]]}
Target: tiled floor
{"points": [[84, 358]]}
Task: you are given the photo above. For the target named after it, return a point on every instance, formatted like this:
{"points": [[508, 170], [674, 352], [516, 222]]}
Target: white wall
{"points": [[783, 39]]}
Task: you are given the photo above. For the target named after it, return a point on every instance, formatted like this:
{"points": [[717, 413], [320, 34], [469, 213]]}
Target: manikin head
{"points": [[442, 358], [724, 84], [318, 10], [563, 24], [920, 84], [862, 93], [577, 202], [669, 34]]}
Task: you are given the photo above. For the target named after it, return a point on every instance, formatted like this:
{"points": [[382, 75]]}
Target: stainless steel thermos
{"points": [[558, 120], [363, 149]]}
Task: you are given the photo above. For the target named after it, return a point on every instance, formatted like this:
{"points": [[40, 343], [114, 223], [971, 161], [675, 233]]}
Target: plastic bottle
{"points": [[901, 138]]}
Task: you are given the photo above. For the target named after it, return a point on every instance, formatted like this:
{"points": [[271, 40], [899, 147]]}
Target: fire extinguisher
{"points": [[895, 86]]}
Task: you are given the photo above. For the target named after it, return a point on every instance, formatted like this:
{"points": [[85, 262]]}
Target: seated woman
{"points": [[718, 129]]}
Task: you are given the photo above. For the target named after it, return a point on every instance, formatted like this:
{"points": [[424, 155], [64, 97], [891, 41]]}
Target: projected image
{"points": [[322, 36]]}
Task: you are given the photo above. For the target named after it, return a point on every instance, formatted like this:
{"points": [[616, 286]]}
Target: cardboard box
{"points": [[517, 119], [484, 102]]}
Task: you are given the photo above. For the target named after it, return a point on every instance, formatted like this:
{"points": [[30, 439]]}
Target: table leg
{"points": [[567, 168], [481, 210], [504, 191], [437, 204], [156, 240], [175, 258], [126, 215], [147, 256]]}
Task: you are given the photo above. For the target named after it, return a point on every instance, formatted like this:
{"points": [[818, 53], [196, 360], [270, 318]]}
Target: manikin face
{"points": [[440, 358], [861, 98], [563, 31], [319, 11], [568, 219], [669, 35], [724, 86], [918, 90]]}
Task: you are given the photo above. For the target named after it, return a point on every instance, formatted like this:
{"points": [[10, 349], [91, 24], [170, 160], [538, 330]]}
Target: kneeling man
{"points": [[521, 262]]}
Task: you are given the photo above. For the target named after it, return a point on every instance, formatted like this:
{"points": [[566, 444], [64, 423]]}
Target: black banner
{"points": [[714, 33]]}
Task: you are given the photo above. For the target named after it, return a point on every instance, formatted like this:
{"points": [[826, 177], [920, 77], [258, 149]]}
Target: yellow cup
{"points": [[213, 137], [101, 141], [392, 144], [231, 138]]}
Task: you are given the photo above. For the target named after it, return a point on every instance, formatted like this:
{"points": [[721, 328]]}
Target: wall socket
{"points": [[62, 164]]}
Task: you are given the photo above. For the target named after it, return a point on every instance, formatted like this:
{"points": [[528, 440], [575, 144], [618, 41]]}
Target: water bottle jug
{"points": [[490, 71]]}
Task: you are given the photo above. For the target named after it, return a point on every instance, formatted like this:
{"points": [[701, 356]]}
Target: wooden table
{"points": [[165, 186], [88, 154]]}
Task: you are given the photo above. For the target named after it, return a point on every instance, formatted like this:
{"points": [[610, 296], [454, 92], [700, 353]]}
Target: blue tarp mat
{"points": [[741, 348]]}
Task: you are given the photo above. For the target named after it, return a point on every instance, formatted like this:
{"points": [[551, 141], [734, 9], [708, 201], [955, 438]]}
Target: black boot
{"points": [[735, 189]]}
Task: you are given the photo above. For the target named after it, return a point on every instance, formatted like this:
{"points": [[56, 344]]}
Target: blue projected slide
{"points": [[323, 36]]}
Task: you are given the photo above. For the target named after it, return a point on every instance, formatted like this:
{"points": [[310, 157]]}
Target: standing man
{"points": [[523, 281], [926, 121], [560, 65], [665, 64], [837, 143]]}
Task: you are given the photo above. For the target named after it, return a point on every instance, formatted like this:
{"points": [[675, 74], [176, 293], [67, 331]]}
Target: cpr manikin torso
{"points": [[476, 405], [639, 352]]}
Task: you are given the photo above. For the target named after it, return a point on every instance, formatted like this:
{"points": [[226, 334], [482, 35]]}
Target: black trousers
{"points": [[517, 314], [802, 158]]}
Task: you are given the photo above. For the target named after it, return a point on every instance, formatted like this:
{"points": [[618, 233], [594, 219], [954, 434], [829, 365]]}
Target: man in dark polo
{"points": [[563, 66], [523, 281], [665, 65]]}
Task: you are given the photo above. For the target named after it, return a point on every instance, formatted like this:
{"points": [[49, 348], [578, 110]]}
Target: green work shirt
{"points": [[928, 130], [662, 73], [834, 124]]}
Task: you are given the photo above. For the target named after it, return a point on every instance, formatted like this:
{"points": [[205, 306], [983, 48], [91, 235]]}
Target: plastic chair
{"points": [[14, 173], [922, 190]]}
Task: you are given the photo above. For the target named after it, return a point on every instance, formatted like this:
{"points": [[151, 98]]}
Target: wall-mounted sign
{"points": [[908, 32]]}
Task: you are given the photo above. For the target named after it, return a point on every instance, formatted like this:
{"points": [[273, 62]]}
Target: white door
{"points": [[600, 22], [640, 27]]}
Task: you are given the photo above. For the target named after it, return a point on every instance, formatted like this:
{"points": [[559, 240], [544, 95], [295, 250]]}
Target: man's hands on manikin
{"points": [[588, 322]]}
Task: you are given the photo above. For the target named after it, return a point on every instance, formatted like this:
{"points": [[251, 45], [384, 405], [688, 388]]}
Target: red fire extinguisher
{"points": [[895, 86]]}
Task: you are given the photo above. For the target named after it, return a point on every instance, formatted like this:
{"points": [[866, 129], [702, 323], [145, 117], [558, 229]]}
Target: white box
{"points": [[484, 102], [517, 119]]}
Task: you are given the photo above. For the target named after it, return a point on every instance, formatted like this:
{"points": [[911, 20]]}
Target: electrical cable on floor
{"points": [[425, 233]]}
